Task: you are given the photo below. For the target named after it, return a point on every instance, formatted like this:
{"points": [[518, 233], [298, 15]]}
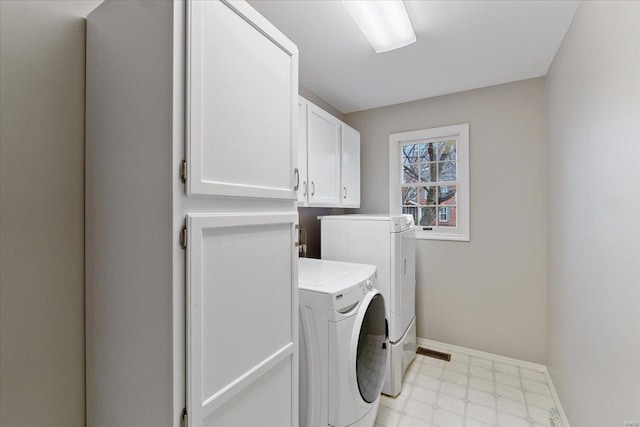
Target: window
{"points": [[429, 179], [444, 216]]}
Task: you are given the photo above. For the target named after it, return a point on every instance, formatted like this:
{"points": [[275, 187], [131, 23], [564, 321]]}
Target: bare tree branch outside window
{"points": [[429, 182]]}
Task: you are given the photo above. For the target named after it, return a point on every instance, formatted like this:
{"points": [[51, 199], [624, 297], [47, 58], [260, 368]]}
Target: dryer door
{"points": [[371, 354]]}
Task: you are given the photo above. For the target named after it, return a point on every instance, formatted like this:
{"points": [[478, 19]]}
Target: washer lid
{"points": [[321, 275]]}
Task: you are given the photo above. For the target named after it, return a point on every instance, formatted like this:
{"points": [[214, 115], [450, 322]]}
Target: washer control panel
{"points": [[367, 285], [349, 298]]}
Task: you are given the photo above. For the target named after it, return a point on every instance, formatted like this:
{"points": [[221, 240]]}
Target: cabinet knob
{"points": [[345, 193], [313, 188], [297, 175], [304, 186]]}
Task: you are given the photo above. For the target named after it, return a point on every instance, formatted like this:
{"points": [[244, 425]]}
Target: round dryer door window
{"points": [[371, 357]]}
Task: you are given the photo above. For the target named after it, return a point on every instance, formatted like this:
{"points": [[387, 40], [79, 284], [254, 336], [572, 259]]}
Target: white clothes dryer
{"points": [[388, 242], [343, 344]]}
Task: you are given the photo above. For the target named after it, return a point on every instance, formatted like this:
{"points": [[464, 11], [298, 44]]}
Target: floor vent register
{"points": [[435, 354]]}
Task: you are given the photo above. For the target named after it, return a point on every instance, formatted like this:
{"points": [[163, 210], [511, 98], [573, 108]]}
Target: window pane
{"points": [[411, 211], [410, 153], [409, 196], [410, 173], [447, 171], [447, 150], [447, 195], [427, 195], [447, 216], [428, 216], [428, 172], [428, 152]]}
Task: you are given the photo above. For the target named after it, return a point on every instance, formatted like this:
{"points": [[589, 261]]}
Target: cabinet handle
{"points": [[304, 185], [345, 192], [297, 174], [313, 188]]}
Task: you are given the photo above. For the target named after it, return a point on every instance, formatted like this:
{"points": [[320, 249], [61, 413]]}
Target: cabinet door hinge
{"points": [[183, 171], [184, 419], [183, 237]]}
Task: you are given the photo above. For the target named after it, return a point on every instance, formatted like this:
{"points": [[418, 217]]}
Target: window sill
{"points": [[440, 236]]}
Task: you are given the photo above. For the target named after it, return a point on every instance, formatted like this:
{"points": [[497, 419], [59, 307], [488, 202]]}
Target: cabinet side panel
{"points": [[128, 214]]}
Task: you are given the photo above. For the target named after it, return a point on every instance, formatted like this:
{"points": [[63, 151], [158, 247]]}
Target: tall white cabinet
{"points": [[191, 220]]}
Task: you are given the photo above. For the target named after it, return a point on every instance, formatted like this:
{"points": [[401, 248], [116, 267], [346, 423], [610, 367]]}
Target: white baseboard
{"points": [[554, 393], [436, 345], [450, 348]]}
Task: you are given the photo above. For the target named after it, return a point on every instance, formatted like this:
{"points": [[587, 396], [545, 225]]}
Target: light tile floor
{"points": [[469, 392]]}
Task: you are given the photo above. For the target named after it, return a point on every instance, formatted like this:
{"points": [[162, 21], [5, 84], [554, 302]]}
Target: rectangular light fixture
{"points": [[384, 23]]}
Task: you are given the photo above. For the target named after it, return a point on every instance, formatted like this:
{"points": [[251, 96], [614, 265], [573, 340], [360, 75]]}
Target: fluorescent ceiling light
{"points": [[385, 23]]}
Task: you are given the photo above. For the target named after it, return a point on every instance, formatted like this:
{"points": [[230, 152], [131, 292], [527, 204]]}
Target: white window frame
{"points": [[461, 133]]}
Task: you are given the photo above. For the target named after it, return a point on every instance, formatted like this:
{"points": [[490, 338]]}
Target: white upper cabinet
{"points": [[303, 186], [328, 159], [323, 144], [350, 167], [242, 90]]}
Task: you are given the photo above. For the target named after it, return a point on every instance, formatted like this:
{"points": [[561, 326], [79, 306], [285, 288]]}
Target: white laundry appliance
{"points": [[343, 344], [388, 242]]}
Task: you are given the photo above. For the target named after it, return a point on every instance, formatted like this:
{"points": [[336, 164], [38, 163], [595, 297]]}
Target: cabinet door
{"points": [[242, 320], [242, 90], [350, 167], [323, 131], [302, 152]]}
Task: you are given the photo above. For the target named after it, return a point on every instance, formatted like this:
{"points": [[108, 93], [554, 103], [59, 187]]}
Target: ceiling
{"points": [[461, 45]]}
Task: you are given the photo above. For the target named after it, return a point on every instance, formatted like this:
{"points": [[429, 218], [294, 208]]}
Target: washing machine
{"points": [[343, 344]]}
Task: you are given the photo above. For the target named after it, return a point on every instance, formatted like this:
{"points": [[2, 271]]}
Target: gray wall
{"points": [[310, 96], [593, 91], [41, 212], [490, 293], [310, 223]]}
